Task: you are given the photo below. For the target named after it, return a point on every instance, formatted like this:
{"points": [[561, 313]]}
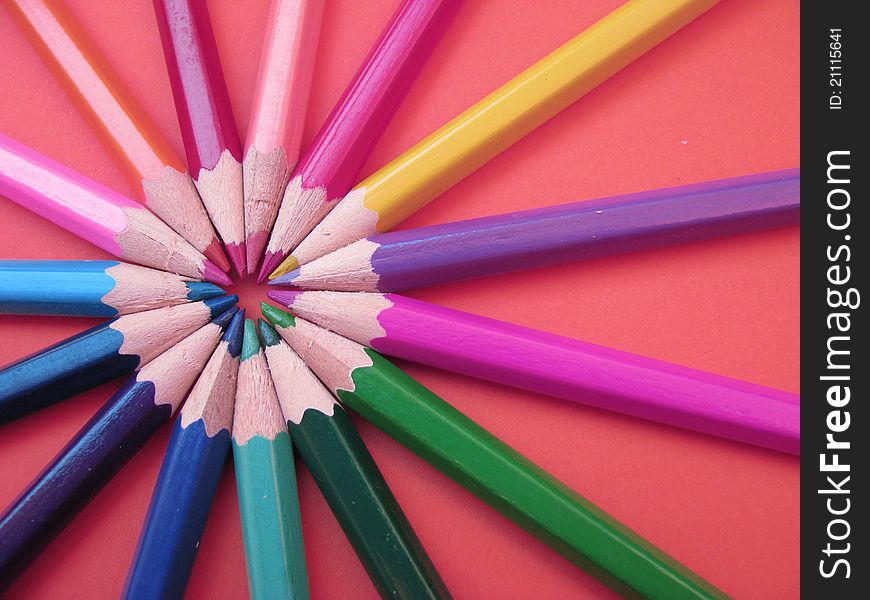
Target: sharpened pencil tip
{"points": [[219, 305], [285, 297], [286, 278], [215, 253], [201, 290], [211, 273], [236, 253], [223, 319], [270, 261], [233, 334], [270, 336], [289, 264], [250, 341], [255, 244], [276, 316]]}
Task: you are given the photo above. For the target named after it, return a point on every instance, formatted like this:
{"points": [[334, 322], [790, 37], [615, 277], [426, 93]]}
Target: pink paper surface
{"points": [[719, 99]]}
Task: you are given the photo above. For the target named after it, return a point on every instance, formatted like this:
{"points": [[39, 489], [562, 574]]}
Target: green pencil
{"points": [[350, 480], [499, 475], [266, 481]]}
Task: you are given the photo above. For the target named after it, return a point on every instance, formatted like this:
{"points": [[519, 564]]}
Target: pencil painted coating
{"points": [[188, 478], [208, 128], [100, 449], [349, 479], [266, 483], [108, 220], [436, 163], [584, 230], [92, 288], [98, 355], [154, 170], [487, 467], [277, 115], [330, 166], [558, 366]]}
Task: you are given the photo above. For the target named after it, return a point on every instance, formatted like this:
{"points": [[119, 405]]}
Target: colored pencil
{"points": [[208, 128], [266, 483], [557, 366], [474, 137], [92, 288], [350, 480], [100, 354], [500, 476], [100, 449], [156, 172], [108, 220], [330, 166], [277, 115], [188, 478], [412, 258]]}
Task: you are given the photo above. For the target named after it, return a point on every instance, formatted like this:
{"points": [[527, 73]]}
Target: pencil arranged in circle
{"points": [[460, 147], [205, 116], [100, 449], [400, 260], [557, 366], [487, 467], [155, 170], [266, 482], [120, 226], [277, 115], [350, 480], [188, 478], [330, 166], [92, 288], [100, 354]]}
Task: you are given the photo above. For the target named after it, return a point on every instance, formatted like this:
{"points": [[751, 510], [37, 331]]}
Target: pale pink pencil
{"points": [[115, 223], [557, 366], [278, 115]]}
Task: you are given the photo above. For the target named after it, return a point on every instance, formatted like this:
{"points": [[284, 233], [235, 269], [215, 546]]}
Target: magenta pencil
{"points": [[557, 366], [120, 226], [330, 166], [278, 115], [205, 116]]}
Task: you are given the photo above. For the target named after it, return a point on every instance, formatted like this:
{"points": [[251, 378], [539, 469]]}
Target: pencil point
{"points": [[286, 278], [219, 305], [285, 297], [255, 245], [210, 272], [250, 341], [215, 254], [270, 261], [233, 334], [276, 316], [289, 264], [223, 319], [237, 257], [270, 336], [200, 290]]}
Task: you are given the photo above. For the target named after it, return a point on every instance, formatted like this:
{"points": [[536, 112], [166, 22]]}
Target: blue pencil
{"points": [[100, 354], [188, 477], [92, 288], [101, 448]]}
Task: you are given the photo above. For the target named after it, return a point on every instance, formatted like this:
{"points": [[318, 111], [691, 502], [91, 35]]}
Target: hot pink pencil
{"points": [[278, 115], [557, 366], [205, 116], [115, 223], [330, 166]]}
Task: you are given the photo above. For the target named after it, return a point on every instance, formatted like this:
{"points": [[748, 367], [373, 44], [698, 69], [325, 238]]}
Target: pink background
{"points": [[719, 99]]}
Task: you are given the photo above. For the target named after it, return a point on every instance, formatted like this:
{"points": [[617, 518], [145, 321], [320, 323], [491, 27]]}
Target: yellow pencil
{"points": [[468, 141]]}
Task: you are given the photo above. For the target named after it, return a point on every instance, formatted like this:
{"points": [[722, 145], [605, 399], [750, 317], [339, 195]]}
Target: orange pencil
{"points": [[156, 171]]}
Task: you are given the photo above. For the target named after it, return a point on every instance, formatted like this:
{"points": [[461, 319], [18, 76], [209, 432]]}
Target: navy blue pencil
{"points": [[92, 288], [188, 478], [100, 354], [101, 448]]}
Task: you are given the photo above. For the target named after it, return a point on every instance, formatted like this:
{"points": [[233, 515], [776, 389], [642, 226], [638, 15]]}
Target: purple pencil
{"points": [[399, 260], [330, 166], [557, 366]]}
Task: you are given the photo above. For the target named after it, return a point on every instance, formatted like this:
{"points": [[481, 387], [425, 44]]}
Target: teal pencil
{"points": [[266, 482]]}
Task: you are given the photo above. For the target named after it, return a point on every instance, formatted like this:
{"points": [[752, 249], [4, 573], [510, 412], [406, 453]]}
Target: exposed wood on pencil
{"points": [[330, 166], [205, 116], [156, 172], [474, 137]]}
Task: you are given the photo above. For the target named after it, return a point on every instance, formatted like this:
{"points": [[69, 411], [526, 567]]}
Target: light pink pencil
{"points": [[278, 115], [557, 366], [115, 223]]}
